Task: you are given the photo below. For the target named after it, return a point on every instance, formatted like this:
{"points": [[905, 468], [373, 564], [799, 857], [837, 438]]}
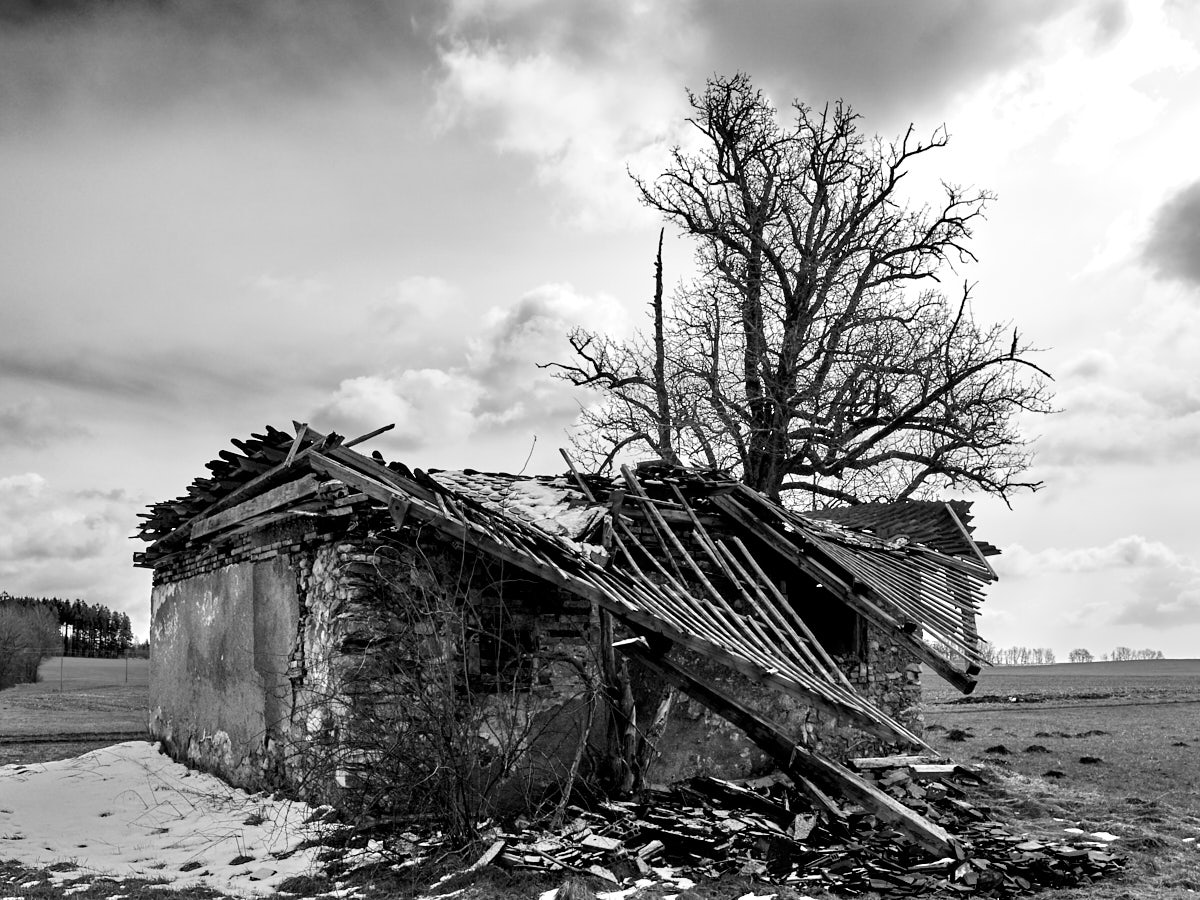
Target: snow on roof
{"points": [[552, 504], [129, 811]]}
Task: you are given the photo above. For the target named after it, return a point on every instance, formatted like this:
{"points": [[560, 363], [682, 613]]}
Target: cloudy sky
{"points": [[215, 215]]}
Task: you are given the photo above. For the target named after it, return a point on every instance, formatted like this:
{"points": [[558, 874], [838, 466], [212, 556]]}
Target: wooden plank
{"points": [[284, 495], [575, 473], [962, 529], [362, 438], [801, 763], [799, 623], [301, 431], [891, 762]]}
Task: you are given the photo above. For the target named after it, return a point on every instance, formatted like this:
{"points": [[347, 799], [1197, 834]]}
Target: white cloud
{"points": [[1130, 551], [70, 543], [1156, 586], [580, 123], [1135, 400], [1164, 597], [495, 387], [428, 406], [1089, 81]]}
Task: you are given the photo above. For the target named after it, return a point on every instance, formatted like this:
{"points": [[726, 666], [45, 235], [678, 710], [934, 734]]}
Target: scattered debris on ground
{"points": [[767, 830], [188, 828]]}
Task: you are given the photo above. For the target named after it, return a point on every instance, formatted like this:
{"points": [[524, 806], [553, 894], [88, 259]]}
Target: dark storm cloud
{"points": [[1173, 249], [141, 56], [887, 59]]}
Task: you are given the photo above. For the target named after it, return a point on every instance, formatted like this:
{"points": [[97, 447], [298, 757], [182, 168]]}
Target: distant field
{"points": [[76, 698], [1162, 680]]}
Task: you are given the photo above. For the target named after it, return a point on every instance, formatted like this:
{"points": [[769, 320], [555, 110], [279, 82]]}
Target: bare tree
{"points": [[1081, 655], [815, 351]]}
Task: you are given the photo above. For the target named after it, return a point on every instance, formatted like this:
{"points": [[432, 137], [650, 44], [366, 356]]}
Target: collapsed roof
{"points": [[912, 568]]}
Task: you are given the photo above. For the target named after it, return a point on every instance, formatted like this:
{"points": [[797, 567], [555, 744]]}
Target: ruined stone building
{"points": [[319, 614]]}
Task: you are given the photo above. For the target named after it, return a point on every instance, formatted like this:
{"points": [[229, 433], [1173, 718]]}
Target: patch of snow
{"points": [[128, 810], [555, 506]]}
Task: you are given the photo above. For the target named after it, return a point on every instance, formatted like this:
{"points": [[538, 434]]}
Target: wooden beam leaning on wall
{"points": [[805, 766], [864, 606]]}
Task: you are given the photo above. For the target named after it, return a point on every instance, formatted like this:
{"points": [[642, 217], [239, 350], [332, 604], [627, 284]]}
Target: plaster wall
{"points": [[218, 674]]}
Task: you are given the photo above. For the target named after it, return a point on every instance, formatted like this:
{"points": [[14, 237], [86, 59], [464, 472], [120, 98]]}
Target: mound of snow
{"points": [[128, 810]]}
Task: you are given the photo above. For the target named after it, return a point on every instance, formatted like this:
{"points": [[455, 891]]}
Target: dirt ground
{"points": [[1102, 746], [79, 705]]}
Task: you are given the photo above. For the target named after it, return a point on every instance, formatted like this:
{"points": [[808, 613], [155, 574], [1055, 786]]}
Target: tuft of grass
{"points": [[33, 883]]}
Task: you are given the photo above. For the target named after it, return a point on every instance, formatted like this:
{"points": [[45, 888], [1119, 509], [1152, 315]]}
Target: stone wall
{"points": [[416, 656], [222, 631]]}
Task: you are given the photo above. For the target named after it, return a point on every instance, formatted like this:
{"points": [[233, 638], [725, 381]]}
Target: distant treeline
{"points": [[1119, 654], [34, 628], [1044, 656]]}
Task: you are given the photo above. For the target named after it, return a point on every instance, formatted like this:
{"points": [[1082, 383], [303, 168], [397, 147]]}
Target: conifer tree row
{"points": [[85, 629]]}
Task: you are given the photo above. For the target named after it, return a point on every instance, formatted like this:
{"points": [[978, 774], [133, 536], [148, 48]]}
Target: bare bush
{"points": [[441, 700], [28, 635]]}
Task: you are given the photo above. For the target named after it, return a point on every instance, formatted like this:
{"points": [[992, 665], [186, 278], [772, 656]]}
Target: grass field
{"points": [[97, 701]]}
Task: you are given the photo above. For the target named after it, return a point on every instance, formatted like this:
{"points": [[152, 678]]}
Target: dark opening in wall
{"points": [[838, 629]]}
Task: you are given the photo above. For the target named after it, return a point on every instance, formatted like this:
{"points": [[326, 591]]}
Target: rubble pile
{"points": [[707, 828]]}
